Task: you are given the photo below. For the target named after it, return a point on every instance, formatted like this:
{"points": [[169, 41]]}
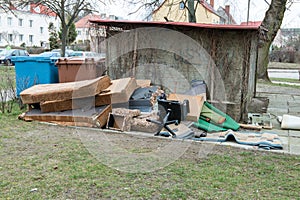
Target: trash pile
{"points": [[128, 104]]}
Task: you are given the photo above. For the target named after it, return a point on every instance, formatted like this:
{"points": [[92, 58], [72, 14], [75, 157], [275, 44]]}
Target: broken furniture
{"points": [[165, 123], [170, 112], [141, 98], [59, 91], [179, 110], [121, 119], [195, 104], [71, 103], [93, 117], [120, 90]]}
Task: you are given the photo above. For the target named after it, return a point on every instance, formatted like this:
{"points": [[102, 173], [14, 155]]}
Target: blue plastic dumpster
{"points": [[34, 70]]}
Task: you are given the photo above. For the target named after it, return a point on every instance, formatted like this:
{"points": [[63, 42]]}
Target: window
{"points": [[0, 20], [111, 17], [21, 38], [103, 16], [0, 36], [30, 38], [41, 30], [20, 22], [30, 23], [10, 37], [78, 32], [181, 5], [9, 21]]}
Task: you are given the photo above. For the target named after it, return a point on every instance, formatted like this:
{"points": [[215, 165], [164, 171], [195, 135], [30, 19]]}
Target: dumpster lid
{"points": [[33, 58]]}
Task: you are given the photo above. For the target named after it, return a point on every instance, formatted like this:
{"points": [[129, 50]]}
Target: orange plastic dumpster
{"points": [[78, 69]]}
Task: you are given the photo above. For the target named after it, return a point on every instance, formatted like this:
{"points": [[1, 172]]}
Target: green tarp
{"points": [[210, 120]]}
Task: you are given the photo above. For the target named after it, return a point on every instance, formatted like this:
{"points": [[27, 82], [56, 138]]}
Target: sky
{"points": [[238, 8]]}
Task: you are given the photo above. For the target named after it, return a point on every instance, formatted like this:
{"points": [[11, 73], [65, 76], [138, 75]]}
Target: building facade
{"points": [[177, 11], [27, 26]]}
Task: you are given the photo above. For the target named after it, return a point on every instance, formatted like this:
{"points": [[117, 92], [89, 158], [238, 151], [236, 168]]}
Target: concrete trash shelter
{"points": [[173, 54]]}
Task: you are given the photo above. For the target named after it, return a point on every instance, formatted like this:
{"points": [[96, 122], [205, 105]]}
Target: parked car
{"points": [[68, 52], [6, 55], [88, 54], [50, 54]]}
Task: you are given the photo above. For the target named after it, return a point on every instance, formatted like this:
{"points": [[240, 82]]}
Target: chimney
{"points": [[212, 3], [227, 9]]}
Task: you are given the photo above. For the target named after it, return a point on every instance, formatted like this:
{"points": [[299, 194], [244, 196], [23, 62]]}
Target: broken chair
{"points": [[171, 112]]}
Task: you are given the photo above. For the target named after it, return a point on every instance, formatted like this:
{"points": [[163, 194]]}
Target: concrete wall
{"points": [[224, 59]]}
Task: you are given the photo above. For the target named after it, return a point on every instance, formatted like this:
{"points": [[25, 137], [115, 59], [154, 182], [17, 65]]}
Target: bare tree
{"points": [[272, 22], [67, 11], [151, 5], [5, 5]]}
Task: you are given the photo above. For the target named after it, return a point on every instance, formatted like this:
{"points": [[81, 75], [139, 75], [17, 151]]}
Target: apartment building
{"points": [[28, 25]]}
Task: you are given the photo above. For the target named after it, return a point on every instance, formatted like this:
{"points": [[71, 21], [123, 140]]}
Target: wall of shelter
{"points": [[172, 59]]}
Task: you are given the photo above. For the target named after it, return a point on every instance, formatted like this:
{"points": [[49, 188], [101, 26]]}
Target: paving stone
{"points": [[294, 133], [280, 132], [296, 98], [279, 97], [277, 111], [285, 143], [294, 145]]}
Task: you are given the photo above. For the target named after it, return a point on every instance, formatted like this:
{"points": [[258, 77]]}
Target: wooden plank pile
{"points": [[81, 103]]}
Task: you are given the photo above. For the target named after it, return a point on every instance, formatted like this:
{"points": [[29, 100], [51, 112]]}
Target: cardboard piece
{"points": [[96, 117], [72, 104], [143, 83], [121, 90], [195, 104], [64, 91]]}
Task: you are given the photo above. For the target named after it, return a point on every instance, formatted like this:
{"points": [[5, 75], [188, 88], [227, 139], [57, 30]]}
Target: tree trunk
{"points": [[272, 23], [191, 10], [64, 34]]}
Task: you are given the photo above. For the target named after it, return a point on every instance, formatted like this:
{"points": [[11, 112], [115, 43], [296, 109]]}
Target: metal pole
{"points": [[248, 11]]}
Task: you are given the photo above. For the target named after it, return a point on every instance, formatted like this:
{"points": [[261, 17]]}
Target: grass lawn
{"points": [[7, 70], [39, 161], [7, 76]]}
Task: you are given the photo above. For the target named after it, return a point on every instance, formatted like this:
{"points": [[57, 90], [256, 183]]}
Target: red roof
{"points": [[119, 23], [84, 22], [37, 9], [41, 9]]}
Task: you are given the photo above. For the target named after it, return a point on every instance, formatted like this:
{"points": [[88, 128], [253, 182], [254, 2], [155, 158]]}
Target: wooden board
{"points": [[72, 104], [64, 91], [97, 116], [121, 90], [195, 105]]}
